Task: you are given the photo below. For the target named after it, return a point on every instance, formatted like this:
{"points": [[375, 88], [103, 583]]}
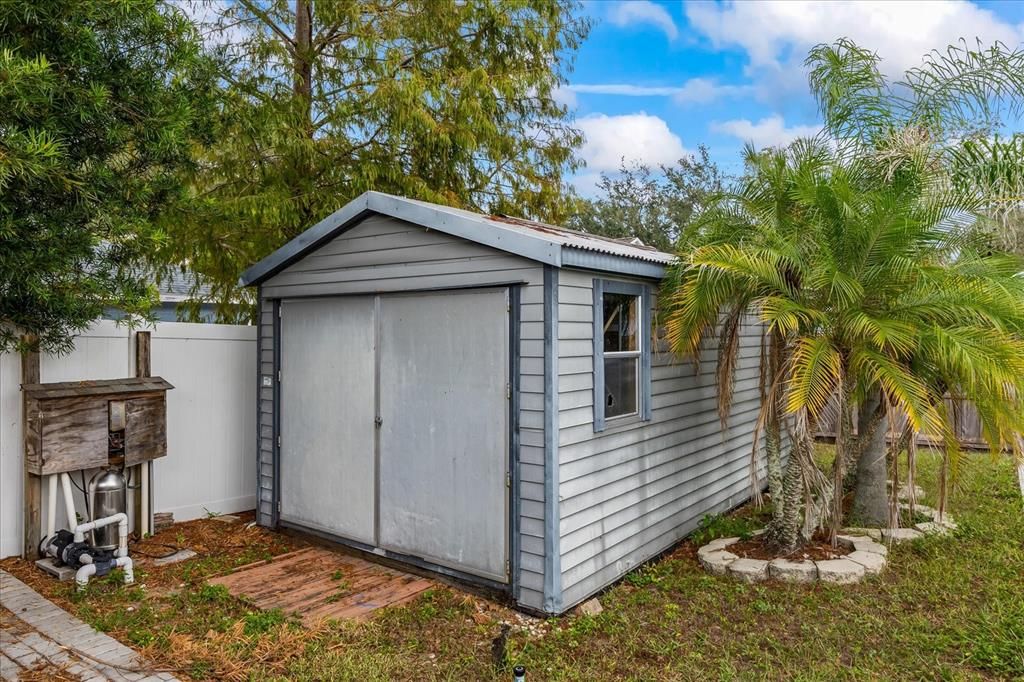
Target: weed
{"points": [[213, 593], [717, 526], [262, 622], [643, 576]]}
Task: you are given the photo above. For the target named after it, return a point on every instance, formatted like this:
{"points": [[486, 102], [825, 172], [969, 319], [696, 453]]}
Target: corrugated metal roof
{"points": [[588, 242], [560, 235], [529, 239]]}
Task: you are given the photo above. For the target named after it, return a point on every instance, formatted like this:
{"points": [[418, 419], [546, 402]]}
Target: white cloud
{"points": [[768, 132], [565, 96], [630, 137], [778, 33], [638, 12], [626, 89], [693, 91], [705, 91]]}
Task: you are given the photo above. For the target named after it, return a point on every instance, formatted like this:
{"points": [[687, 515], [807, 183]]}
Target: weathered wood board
{"points": [[316, 583], [146, 433], [67, 424], [65, 434]]}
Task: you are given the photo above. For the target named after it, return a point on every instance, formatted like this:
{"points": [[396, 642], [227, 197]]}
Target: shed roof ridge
{"points": [[529, 239]]}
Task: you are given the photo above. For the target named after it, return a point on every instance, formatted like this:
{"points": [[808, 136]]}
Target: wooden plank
{"points": [[97, 387], [143, 354], [316, 583], [72, 434], [146, 433], [33, 490]]}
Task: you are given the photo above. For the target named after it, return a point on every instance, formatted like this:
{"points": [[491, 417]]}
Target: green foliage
{"points": [[445, 101], [860, 251], [214, 594], [656, 208], [262, 622], [959, 100], [714, 526], [102, 105], [643, 576]]}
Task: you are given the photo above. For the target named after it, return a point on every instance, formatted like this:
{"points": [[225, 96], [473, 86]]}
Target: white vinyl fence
{"points": [[211, 428]]}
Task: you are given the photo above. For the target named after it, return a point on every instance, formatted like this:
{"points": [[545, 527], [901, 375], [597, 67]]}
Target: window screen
{"points": [[621, 354]]}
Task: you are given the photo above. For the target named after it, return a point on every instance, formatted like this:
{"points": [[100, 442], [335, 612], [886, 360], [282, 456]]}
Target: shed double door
{"points": [[394, 424]]}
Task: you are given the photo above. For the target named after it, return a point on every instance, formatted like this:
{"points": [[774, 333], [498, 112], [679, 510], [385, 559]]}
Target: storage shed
{"points": [[487, 397]]}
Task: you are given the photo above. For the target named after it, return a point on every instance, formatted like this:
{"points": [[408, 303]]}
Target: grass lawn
{"points": [[945, 608]]}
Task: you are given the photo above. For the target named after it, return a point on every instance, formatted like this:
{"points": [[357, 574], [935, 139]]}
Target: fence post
{"points": [[32, 498], [143, 368]]}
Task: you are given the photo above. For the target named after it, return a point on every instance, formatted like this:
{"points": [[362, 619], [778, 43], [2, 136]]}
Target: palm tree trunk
{"points": [[787, 520], [870, 503], [773, 455], [773, 429]]}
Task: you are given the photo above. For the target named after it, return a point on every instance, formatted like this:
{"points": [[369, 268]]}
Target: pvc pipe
{"points": [[121, 519], [51, 505], [144, 491], [83, 574], [69, 501], [125, 563]]}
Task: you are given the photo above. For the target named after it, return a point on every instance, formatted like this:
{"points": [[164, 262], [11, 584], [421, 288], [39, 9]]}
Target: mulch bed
{"points": [[818, 549]]}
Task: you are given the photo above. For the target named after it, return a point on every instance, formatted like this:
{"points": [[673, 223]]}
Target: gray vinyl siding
{"points": [[531, 443], [632, 491], [382, 254], [265, 415]]}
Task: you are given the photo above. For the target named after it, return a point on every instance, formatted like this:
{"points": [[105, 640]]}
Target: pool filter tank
{"points": [[108, 495]]}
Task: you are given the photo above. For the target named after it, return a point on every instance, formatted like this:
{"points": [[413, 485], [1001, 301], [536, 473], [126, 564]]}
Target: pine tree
{"points": [[101, 106]]}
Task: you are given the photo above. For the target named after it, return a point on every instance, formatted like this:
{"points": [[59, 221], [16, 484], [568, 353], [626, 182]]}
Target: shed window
{"points": [[622, 360], [621, 355]]}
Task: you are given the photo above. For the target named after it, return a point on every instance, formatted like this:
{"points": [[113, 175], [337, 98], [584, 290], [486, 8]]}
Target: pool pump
{"points": [[71, 549]]}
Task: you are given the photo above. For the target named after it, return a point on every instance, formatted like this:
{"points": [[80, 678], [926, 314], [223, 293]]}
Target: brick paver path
{"points": [[37, 635]]}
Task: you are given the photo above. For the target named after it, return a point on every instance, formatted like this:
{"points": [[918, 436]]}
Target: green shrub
{"points": [[260, 622], [717, 526]]}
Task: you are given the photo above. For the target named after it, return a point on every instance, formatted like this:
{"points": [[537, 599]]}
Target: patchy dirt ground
{"points": [[945, 608]]}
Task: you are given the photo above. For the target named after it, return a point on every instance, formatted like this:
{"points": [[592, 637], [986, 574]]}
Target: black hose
{"points": [[172, 550], [85, 495]]}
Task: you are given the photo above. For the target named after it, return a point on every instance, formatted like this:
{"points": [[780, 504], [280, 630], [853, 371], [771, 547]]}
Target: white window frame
{"points": [[642, 352]]}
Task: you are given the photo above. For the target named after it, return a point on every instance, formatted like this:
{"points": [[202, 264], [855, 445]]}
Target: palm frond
{"points": [[815, 369]]}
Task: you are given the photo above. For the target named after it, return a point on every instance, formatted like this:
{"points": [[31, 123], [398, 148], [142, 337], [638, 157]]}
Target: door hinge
{"points": [[508, 479], [279, 506], [279, 375], [508, 567], [508, 391], [279, 442]]}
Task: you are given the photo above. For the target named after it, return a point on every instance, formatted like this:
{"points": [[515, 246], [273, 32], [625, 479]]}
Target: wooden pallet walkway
{"points": [[316, 583]]}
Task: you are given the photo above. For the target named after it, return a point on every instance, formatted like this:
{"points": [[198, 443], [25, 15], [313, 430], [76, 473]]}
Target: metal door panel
{"points": [[327, 411], [444, 429]]}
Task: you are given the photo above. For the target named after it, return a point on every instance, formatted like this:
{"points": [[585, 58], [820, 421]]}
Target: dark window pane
{"points": [[620, 394], [620, 323]]}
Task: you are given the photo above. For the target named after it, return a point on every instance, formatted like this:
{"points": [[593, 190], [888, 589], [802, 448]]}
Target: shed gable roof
{"points": [[532, 240]]}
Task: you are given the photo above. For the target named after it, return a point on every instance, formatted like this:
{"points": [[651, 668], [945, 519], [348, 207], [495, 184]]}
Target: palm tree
{"points": [[863, 266], [957, 102]]}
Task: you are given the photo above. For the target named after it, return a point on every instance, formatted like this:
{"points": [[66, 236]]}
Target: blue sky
{"points": [[655, 79]]}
